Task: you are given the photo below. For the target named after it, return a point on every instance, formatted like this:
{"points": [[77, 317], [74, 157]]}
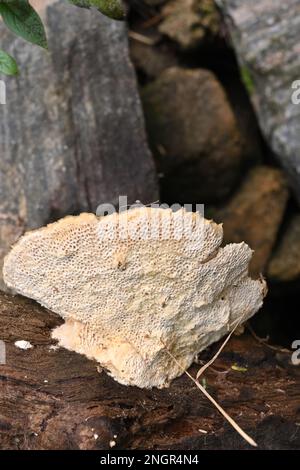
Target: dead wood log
{"points": [[55, 399]]}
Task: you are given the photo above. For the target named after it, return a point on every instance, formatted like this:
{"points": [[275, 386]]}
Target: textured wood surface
{"points": [[56, 399]]}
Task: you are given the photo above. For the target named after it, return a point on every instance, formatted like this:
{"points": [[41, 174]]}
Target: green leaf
{"points": [[204, 383], [8, 65], [22, 19], [239, 368], [112, 8]]}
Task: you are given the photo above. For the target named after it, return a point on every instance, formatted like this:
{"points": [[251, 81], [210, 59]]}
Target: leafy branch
{"points": [[21, 18]]}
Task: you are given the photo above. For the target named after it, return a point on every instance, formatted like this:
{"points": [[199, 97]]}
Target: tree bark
{"points": [[55, 399]]}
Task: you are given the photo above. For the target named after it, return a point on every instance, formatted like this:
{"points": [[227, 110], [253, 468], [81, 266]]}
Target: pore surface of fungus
{"points": [[137, 288]]}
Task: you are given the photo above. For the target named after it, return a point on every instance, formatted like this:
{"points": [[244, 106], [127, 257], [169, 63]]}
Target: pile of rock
{"points": [[206, 144], [83, 141]]}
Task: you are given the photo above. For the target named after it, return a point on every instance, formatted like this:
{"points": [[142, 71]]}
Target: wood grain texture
{"points": [[55, 399]]}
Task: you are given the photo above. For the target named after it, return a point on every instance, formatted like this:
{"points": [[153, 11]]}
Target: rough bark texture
{"points": [[265, 35], [55, 399], [72, 132]]}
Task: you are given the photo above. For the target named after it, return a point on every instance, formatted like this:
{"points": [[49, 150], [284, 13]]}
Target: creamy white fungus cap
{"points": [[134, 285]]}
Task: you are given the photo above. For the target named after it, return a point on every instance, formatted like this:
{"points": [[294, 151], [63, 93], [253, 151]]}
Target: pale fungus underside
{"points": [[137, 289]]}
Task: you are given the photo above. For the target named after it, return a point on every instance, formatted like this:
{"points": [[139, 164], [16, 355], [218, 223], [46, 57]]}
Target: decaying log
{"points": [[55, 399]]}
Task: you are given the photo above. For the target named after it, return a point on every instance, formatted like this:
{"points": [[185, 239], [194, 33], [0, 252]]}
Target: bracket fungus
{"points": [[137, 288]]}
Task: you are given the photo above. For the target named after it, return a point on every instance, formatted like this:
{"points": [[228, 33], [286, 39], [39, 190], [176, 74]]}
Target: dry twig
{"points": [[231, 421]]}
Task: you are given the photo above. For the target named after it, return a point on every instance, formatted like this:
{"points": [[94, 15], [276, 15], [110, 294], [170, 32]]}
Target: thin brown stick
{"points": [[209, 363], [231, 421], [141, 38], [213, 401]]}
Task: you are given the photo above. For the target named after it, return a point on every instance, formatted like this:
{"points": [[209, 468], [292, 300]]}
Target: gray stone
{"points": [[72, 132], [265, 35]]}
